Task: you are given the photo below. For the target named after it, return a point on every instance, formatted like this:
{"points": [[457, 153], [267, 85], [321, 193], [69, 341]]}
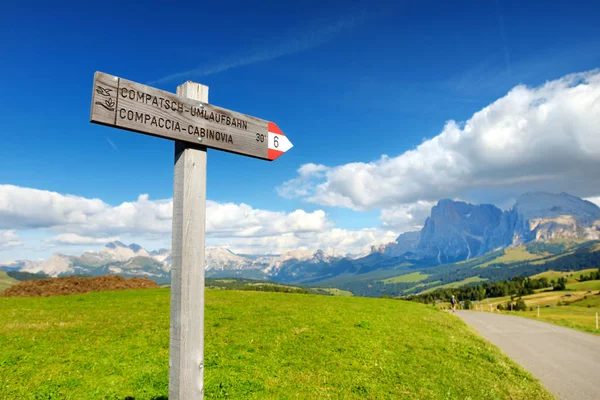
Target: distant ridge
{"points": [[458, 231], [455, 232]]}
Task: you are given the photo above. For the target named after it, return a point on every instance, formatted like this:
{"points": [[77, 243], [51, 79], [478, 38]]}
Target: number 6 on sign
{"points": [[278, 142]]}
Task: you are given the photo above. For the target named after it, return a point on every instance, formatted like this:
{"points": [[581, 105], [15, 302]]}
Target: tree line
{"points": [[27, 276], [593, 276], [516, 287]]}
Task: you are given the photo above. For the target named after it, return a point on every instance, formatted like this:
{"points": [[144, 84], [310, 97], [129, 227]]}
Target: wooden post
{"points": [[186, 347], [538, 311], [596, 321]]}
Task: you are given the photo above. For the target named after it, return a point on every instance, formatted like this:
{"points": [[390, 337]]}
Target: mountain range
{"points": [[455, 232], [458, 231]]}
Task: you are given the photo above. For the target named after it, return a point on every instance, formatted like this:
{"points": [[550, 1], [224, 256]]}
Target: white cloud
{"points": [[231, 219], [337, 241], [75, 239], [8, 238], [309, 174], [595, 200], [22, 208], [406, 217], [31, 208], [81, 221], [544, 138]]}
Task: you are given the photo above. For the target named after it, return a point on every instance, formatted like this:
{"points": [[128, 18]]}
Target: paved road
{"points": [[566, 361]]}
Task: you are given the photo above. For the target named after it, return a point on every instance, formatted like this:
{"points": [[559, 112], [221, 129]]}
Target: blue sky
{"points": [[348, 82]]}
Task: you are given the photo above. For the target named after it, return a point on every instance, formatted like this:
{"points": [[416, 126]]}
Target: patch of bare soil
{"points": [[76, 285]]}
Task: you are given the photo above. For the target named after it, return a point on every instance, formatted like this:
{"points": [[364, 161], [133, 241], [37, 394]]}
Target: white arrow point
{"points": [[279, 142]]}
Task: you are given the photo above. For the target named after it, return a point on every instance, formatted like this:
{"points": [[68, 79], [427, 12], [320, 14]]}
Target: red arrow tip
{"points": [[274, 128], [274, 154]]}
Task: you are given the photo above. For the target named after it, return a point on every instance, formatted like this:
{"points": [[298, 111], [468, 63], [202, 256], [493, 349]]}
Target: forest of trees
{"points": [[517, 287], [26, 276], [583, 257], [252, 285], [593, 276]]}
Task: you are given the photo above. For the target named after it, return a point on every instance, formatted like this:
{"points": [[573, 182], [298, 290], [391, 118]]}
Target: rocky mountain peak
{"points": [[544, 216], [115, 244], [534, 205], [135, 247], [457, 230]]}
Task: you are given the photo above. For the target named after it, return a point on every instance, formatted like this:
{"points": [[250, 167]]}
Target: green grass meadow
{"points": [[412, 277], [579, 315], [258, 345], [512, 255], [573, 308], [336, 292], [473, 279], [571, 276]]}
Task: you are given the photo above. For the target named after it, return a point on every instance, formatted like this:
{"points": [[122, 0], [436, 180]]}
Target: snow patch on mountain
{"points": [[218, 258], [57, 264]]}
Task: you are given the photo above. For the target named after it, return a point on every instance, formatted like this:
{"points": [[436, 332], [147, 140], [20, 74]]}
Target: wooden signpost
{"points": [[195, 125], [124, 104]]}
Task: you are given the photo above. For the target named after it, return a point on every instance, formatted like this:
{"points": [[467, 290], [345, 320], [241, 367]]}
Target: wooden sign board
{"points": [[128, 105]]}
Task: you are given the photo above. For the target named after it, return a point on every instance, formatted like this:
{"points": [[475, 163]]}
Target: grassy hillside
{"points": [[577, 311], [412, 277], [332, 291], [512, 255], [542, 299], [527, 260], [6, 281], [252, 284], [114, 345], [570, 275], [587, 285], [474, 279]]}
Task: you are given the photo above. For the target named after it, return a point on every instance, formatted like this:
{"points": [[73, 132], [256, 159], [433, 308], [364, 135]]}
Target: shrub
{"points": [[520, 306]]}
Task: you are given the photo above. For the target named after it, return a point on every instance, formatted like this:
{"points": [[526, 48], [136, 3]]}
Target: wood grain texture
{"points": [[104, 99], [155, 112], [186, 356]]}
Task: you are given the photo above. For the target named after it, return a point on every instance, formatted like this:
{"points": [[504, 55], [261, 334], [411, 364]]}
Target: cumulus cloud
{"points": [[82, 221], [595, 200], [334, 241], [8, 238], [308, 176], [241, 220], [22, 208], [94, 219], [31, 208], [406, 217], [543, 138], [75, 239]]}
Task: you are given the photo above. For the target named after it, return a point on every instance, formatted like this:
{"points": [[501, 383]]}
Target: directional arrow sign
{"points": [[132, 106]]}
